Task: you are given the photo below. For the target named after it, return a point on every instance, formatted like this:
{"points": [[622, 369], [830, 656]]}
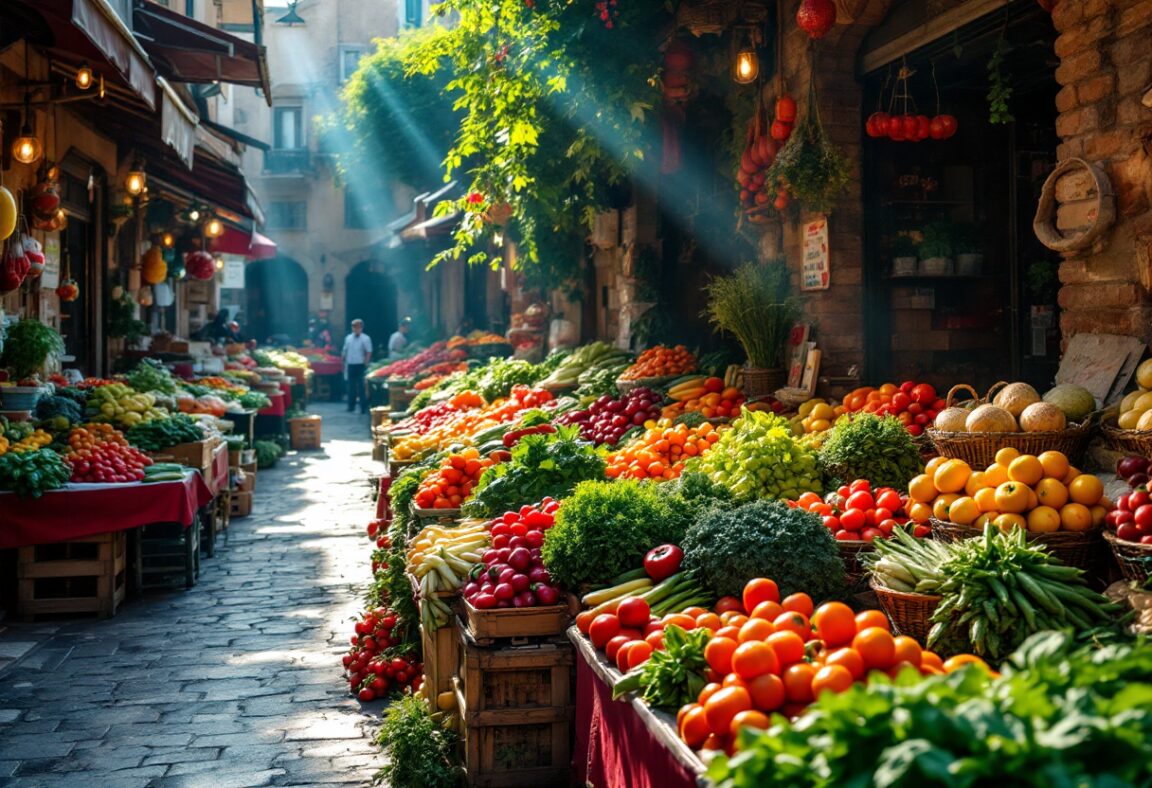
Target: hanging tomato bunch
{"points": [[760, 154], [909, 126]]}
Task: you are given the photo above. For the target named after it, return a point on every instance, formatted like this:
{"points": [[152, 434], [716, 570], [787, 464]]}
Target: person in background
{"points": [[398, 342], [217, 330], [356, 354]]}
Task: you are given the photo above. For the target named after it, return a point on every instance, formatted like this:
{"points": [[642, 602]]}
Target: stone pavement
{"points": [[235, 682]]}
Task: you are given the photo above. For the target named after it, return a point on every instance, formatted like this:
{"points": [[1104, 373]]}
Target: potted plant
{"points": [[904, 252], [27, 347], [755, 304], [969, 251], [936, 249]]}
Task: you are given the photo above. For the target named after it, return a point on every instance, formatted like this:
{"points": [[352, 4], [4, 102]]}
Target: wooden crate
{"points": [[166, 555], [79, 576], [305, 432], [241, 504], [516, 706], [441, 650], [518, 623]]}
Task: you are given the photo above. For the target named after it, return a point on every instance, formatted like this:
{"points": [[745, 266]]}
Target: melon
{"points": [[1145, 422], [7, 213], [1076, 401], [1042, 417], [951, 420], [1129, 419], [1015, 397], [990, 418], [1144, 374], [1142, 403]]}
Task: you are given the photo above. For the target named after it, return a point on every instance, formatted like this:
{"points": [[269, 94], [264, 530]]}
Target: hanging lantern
{"points": [[213, 228], [745, 60], [200, 265], [7, 213], [136, 181], [144, 297], [84, 76], [68, 290], [27, 149], [153, 267], [162, 295], [44, 198]]}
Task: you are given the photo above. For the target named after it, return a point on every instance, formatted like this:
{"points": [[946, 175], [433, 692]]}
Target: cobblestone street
{"points": [[235, 682]]}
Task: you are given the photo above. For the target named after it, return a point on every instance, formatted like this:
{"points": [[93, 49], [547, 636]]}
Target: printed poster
{"points": [[815, 273]]}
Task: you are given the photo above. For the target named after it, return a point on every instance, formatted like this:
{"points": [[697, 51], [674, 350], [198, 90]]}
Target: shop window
{"points": [[286, 215], [413, 13], [289, 131], [349, 61]]}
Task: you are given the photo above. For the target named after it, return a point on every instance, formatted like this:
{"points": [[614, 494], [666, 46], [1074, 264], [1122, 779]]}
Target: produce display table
{"points": [[327, 368], [286, 390], [278, 407], [623, 742], [218, 481], [80, 510]]}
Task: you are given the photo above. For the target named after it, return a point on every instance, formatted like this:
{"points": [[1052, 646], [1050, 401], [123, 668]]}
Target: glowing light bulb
{"points": [[84, 77], [219, 263], [194, 215], [746, 66], [168, 240], [136, 180], [26, 149], [214, 228]]}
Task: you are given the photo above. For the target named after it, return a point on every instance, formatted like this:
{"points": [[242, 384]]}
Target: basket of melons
{"points": [[1013, 415]]}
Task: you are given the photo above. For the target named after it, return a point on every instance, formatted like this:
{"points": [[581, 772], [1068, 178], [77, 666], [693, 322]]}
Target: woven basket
{"points": [[1135, 559], [1127, 441], [850, 553], [911, 614], [761, 382], [655, 384], [1074, 548]]}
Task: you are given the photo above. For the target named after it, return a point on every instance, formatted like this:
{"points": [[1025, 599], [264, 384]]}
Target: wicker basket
{"points": [[1127, 441], [761, 382], [850, 553], [1135, 559], [979, 449], [626, 386], [911, 614], [1074, 548]]}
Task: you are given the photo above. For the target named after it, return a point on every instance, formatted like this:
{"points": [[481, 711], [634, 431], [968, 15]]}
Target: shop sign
{"points": [[233, 274], [50, 279], [815, 273]]}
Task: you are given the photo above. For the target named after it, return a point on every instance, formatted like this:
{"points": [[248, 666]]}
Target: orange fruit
{"points": [[986, 518], [933, 464], [1098, 515], [798, 603], [942, 504], [1055, 464], [834, 678], [951, 476], [1005, 456], [1051, 492], [872, 618], [919, 512], [767, 692], [986, 499], [798, 682], [835, 624], [1076, 517], [1086, 489], [877, 648], [848, 658], [976, 482], [1013, 497], [995, 475], [1033, 500], [964, 510], [1007, 521], [1043, 520], [908, 650], [1026, 469], [922, 489], [960, 660]]}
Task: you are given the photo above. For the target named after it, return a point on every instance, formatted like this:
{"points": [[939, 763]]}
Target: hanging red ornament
{"points": [[786, 109], [948, 126], [896, 129], [816, 17], [200, 265], [877, 125], [68, 290], [34, 253]]}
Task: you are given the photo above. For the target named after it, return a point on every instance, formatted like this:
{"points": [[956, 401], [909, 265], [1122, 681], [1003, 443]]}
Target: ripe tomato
{"points": [[907, 650], [794, 622], [613, 646], [847, 658], [799, 603], [655, 639], [603, 628], [789, 646], [852, 519], [835, 624], [633, 612], [836, 678], [638, 653], [760, 589], [753, 659], [768, 611], [877, 648], [694, 728], [798, 682], [749, 719], [708, 621], [710, 689], [861, 499], [718, 654], [727, 603], [755, 629], [767, 692], [872, 618], [723, 706]]}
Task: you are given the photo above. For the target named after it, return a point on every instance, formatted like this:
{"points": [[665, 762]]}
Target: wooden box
{"points": [[298, 375], [80, 576], [195, 454], [241, 504], [487, 626], [441, 650], [246, 482], [516, 706], [305, 432]]}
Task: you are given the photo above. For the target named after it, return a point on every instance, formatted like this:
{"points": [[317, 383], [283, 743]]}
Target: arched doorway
{"points": [[371, 296], [277, 299]]}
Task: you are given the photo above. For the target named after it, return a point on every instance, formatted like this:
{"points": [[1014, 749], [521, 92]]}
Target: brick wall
{"points": [[1105, 51]]}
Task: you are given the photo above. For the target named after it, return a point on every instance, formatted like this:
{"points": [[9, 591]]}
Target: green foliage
{"points": [[501, 374], [161, 433], [30, 474], [759, 457], [999, 88], [418, 749], [755, 304], [51, 407], [268, 453], [939, 240], [1057, 716], [728, 547], [674, 675], [151, 375], [870, 447], [545, 465], [122, 322], [605, 528], [814, 170], [28, 346]]}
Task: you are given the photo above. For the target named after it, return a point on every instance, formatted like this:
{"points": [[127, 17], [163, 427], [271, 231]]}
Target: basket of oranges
{"points": [[1057, 506]]}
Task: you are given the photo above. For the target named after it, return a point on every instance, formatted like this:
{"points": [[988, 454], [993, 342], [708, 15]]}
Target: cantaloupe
{"points": [[1129, 419], [951, 420], [1042, 417], [1130, 400], [1076, 401], [1015, 397], [990, 418]]}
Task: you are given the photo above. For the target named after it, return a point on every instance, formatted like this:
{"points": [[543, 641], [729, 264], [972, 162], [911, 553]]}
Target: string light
{"points": [[745, 62], [214, 228], [26, 149]]}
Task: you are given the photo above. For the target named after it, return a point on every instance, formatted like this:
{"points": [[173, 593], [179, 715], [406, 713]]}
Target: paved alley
{"points": [[233, 683]]}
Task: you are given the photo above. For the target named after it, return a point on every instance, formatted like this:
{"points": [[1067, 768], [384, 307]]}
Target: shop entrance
{"points": [[958, 287], [277, 300], [371, 296]]}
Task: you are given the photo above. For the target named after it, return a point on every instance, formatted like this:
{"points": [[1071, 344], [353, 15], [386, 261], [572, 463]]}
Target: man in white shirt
{"points": [[357, 353], [398, 342]]}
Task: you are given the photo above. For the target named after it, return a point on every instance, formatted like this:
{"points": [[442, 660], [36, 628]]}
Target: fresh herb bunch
{"points": [[1058, 715], [870, 447], [150, 375], [755, 304], [28, 346], [728, 547], [601, 379], [418, 750], [162, 433], [542, 466], [758, 456], [31, 474], [604, 529], [814, 170], [999, 589], [999, 87], [254, 400], [268, 453], [501, 374], [673, 676]]}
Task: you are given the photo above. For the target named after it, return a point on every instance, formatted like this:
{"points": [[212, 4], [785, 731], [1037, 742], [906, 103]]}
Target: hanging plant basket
{"points": [[810, 167]]}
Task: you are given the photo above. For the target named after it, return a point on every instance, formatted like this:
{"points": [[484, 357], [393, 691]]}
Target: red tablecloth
{"points": [[218, 478], [286, 390], [327, 367], [88, 509], [616, 745], [278, 406]]}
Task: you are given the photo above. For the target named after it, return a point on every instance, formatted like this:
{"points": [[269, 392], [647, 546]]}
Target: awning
{"points": [[91, 29], [185, 50], [437, 227], [177, 123], [253, 245]]}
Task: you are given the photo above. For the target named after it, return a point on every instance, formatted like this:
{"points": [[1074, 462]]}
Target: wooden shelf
{"points": [[933, 277]]}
